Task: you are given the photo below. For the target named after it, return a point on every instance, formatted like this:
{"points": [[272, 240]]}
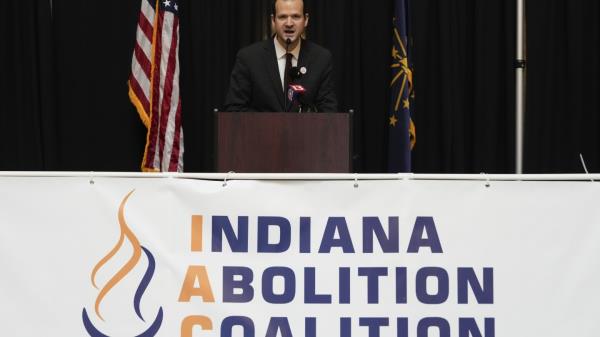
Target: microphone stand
{"points": [[287, 107]]}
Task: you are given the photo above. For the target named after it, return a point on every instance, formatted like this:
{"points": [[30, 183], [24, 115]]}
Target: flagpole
{"points": [[520, 86]]}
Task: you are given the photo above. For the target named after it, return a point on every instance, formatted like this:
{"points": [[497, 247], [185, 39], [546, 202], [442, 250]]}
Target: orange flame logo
{"points": [[133, 260]]}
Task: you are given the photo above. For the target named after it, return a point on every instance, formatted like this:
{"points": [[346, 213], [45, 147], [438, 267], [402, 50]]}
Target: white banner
{"points": [[174, 257]]}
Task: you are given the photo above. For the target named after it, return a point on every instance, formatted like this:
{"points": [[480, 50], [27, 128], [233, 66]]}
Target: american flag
{"points": [[154, 84]]}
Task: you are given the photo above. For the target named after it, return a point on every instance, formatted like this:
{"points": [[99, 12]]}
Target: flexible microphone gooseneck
{"points": [[286, 75]]}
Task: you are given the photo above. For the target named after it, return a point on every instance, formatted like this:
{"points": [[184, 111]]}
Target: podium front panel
{"points": [[276, 142]]}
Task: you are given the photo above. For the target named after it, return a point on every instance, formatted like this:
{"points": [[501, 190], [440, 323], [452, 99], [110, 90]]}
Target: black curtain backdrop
{"points": [[464, 84], [27, 99], [563, 86], [64, 103], [98, 128]]}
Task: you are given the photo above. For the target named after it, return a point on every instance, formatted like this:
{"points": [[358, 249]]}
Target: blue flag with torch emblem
{"points": [[401, 129]]}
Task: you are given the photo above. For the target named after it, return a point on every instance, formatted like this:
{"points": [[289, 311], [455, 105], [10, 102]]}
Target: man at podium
{"points": [[286, 73]]}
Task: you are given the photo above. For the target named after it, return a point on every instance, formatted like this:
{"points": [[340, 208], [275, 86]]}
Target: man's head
{"points": [[289, 20]]}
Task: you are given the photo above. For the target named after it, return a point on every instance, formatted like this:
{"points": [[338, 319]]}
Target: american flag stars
{"points": [[170, 5]]}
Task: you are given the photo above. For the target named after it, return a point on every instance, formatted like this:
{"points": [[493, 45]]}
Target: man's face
{"points": [[289, 21]]}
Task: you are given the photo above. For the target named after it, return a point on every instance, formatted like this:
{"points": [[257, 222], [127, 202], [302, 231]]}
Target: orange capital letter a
{"points": [[188, 289]]}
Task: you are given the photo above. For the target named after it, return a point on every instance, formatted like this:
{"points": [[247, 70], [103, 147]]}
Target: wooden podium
{"points": [[277, 142]]}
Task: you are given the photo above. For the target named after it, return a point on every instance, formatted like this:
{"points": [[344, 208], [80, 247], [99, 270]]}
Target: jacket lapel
{"points": [[304, 59], [304, 51], [273, 71]]}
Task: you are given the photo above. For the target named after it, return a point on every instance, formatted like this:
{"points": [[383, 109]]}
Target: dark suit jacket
{"points": [[255, 83]]}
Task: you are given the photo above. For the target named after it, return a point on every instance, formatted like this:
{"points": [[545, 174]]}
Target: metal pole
{"points": [[520, 86]]}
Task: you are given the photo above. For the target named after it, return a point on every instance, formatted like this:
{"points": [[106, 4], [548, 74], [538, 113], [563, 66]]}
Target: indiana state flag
{"points": [[401, 129]]}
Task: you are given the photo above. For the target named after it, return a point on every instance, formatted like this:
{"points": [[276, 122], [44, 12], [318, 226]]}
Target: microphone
{"points": [[288, 41], [295, 93]]}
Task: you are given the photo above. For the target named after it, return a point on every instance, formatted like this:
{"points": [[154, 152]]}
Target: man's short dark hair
{"points": [[273, 9]]}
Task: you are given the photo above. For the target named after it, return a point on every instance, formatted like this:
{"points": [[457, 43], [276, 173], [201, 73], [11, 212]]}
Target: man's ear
{"points": [[273, 24], [305, 20]]}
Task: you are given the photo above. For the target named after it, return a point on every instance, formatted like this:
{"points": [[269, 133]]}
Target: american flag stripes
{"points": [[154, 84]]}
